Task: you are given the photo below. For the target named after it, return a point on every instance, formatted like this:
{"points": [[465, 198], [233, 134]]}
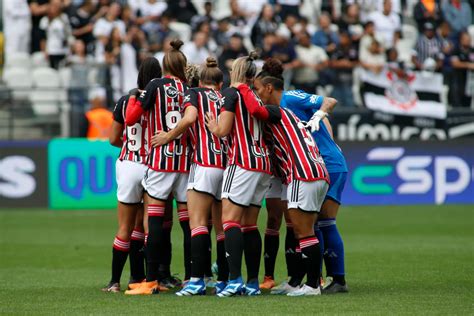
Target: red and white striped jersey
{"points": [[209, 150], [163, 99], [135, 138], [247, 146], [296, 150]]}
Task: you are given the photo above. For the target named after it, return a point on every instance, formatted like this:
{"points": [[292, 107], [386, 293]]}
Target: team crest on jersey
{"points": [[212, 96], [171, 92]]}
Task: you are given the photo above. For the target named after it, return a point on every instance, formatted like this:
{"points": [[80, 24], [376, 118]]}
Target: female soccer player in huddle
{"points": [[130, 169], [312, 109], [245, 180], [205, 179], [306, 174], [168, 165]]}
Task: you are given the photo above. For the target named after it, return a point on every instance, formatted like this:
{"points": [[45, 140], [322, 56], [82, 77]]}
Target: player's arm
{"points": [[270, 113], [116, 132], [224, 126], [138, 105]]}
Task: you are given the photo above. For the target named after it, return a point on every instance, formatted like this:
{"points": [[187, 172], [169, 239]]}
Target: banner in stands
{"points": [[404, 93], [23, 174], [409, 173], [366, 125], [82, 174]]}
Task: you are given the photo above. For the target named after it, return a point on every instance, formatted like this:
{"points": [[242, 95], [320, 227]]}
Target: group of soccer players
{"points": [[219, 154]]}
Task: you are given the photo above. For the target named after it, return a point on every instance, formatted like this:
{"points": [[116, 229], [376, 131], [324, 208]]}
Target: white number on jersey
{"points": [[172, 119], [134, 137]]}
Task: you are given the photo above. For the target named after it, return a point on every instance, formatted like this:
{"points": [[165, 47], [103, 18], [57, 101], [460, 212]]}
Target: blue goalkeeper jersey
{"points": [[304, 105]]}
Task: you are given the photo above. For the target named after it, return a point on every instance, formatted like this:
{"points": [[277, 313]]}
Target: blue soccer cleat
{"points": [[220, 286], [193, 288], [252, 288], [233, 288]]}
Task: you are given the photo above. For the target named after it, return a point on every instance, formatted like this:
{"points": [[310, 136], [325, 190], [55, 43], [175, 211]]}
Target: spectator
{"points": [[343, 61], [57, 29], [304, 25], [288, 28], [251, 9], [82, 23], [197, 51], [427, 11], [161, 31], [150, 11], [366, 40], [205, 27], [325, 37], [79, 65], [463, 64], [289, 7], [387, 23], [366, 8], [98, 120], [234, 50], [374, 58], [237, 16], [311, 59], [38, 9], [182, 10], [104, 26], [350, 22], [267, 22], [458, 14], [223, 32], [16, 26], [207, 17], [427, 47]]}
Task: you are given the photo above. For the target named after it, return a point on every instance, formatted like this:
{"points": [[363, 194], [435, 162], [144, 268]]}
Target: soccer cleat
{"points": [[283, 289], [145, 288], [220, 285], [332, 287], [193, 288], [133, 284], [268, 283], [112, 287], [233, 288], [306, 290], [171, 282], [252, 289]]}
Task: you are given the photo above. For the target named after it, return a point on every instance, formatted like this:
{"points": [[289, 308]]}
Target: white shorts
{"points": [[159, 185], [244, 187], [206, 180], [276, 189], [129, 176], [307, 196]]}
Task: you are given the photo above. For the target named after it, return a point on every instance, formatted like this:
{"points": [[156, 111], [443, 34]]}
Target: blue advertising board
{"points": [[409, 173]]}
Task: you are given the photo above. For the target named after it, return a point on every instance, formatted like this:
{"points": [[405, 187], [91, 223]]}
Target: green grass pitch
{"points": [[399, 260]]}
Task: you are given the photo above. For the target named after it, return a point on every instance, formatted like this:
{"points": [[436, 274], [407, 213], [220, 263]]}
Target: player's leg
{"points": [[222, 265], [275, 209], [158, 186], [333, 244], [304, 203], [208, 273], [180, 194], [199, 207], [164, 277], [121, 246], [137, 257]]}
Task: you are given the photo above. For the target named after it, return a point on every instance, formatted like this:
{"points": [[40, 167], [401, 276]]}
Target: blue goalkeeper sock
{"points": [[333, 249], [320, 236]]}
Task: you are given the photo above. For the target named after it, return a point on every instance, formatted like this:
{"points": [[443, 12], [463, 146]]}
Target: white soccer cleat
{"points": [[306, 290], [283, 289]]}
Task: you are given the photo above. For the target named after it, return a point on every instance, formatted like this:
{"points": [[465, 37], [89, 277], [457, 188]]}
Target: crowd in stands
{"points": [[320, 42]]}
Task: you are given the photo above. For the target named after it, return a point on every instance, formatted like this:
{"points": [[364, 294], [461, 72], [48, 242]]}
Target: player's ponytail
{"points": [[244, 68], [149, 70], [174, 61], [210, 73], [272, 73]]}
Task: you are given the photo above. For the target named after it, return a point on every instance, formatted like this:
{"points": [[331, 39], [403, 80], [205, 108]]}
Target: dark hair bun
{"points": [[253, 55], [273, 67], [176, 44], [211, 62]]}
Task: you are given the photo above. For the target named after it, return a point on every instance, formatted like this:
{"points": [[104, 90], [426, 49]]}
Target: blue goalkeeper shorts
{"points": [[336, 186]]}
